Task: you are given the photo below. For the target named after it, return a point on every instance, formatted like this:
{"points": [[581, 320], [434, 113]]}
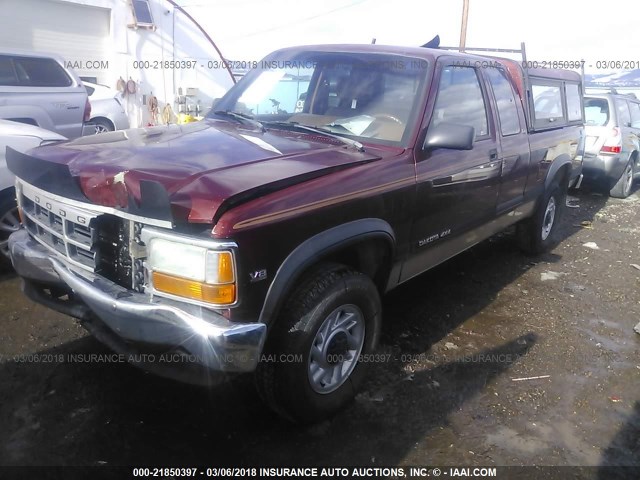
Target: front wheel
{"points": [[537, 234], [622, 188], [312, 365]]}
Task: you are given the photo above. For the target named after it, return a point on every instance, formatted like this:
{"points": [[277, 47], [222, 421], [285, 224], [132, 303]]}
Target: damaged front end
{"points": [[133, 282]]}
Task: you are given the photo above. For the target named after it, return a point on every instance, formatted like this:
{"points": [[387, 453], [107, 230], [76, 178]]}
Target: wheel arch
{"points": [[560, 169], [103, 119], [635, 156], [368, 245]]}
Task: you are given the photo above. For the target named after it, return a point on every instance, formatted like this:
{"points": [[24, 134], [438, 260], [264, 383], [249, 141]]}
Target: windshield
{"points": [[596, 111], [369, 97]]}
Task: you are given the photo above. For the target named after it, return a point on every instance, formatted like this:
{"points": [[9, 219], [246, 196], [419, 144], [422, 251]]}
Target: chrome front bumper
{"points": [[200, 334]]}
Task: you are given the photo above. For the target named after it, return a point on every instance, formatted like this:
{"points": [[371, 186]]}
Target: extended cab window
{"points": [[40, 72], [460, 100], [505, 100]]}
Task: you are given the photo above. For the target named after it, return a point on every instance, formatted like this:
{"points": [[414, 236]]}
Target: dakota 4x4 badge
{"points": [[433, 238]]}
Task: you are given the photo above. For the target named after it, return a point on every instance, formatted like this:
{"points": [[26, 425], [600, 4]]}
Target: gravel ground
{"points": [[493, 358]]}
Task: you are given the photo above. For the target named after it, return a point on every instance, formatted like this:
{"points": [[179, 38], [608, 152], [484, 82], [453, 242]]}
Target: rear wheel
{"points": [[622, 188], [537, 234], [103, 126], [312, 364]]}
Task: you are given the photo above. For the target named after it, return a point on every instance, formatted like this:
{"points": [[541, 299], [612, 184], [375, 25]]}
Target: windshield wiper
{"points": [[241, 117], [321, 131]]}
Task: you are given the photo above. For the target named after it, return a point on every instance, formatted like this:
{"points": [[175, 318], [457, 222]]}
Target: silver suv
{"points": [[613, 140], [37, 89]]}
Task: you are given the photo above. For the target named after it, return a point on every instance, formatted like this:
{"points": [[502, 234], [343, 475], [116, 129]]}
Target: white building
{"points": [[152, 42]]}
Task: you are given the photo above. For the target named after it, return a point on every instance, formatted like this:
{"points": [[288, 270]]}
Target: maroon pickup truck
{"points": [[261, 238]]}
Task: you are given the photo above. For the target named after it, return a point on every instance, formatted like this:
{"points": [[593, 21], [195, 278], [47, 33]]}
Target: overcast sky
{"points": [[551, 29]]}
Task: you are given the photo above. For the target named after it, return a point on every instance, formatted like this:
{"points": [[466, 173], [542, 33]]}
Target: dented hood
{"points": [[204, 167]]}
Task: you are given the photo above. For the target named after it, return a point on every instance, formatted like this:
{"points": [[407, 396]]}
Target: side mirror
{"points": [[450, 135]]}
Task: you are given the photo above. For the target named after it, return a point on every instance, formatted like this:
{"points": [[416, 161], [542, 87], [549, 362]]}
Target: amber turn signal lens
{"points": [[219, 267], [183, 287]]}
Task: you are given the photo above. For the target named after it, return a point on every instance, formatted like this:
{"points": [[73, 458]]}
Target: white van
{"points": [[37, 89]]}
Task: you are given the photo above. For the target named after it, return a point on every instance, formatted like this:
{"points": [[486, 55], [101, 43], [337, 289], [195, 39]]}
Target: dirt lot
{"points": [[462, 343]]}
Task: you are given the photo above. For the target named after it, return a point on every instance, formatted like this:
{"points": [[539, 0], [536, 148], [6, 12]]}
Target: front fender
{"points": [[315, 248]]}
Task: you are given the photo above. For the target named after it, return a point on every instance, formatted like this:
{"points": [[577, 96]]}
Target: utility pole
{"points": [[463, 28]]}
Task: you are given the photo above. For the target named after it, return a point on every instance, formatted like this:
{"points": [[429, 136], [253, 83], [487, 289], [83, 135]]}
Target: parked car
{"points": [[107, 112], [612, 153], [20, 137], [261, 238], [37, 89]]}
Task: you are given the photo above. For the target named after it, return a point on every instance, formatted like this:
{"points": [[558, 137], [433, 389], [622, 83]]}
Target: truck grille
{"points": [[65, 230], [94, 241]]}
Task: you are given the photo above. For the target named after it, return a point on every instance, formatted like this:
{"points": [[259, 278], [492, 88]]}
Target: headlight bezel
{"points": [[149, 234]]}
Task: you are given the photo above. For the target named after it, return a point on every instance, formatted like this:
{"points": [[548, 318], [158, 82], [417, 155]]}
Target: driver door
{"points": [[457, 190]]}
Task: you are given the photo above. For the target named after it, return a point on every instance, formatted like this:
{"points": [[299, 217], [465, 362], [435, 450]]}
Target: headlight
{"points": [[192, 271]]}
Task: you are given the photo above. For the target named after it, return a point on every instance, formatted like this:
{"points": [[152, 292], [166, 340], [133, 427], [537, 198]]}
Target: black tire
{"points": [[622, 188], [9, 223], [538, 233], [285, 383], [102, 125]]}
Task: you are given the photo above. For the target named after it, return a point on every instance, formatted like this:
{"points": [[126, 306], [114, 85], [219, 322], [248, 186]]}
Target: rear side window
{"points": [[596, 111], [574, 106], [40, 72], [506, 101], [624, 116], [635, 114], [460, 100]]}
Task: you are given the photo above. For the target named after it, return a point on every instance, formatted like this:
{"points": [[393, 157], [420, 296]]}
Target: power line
{"points": [[290, 22]]}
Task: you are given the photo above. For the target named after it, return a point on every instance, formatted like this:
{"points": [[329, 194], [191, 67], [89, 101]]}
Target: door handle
{"points": [[493, 154]]}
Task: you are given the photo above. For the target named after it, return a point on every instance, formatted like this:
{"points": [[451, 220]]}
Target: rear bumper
{"points": [[202, 335], [120, 121], [601, 167]]}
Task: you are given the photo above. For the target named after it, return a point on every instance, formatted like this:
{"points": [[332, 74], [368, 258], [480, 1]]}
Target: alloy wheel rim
{"points": [[335, 349], [101, 129], [549, 217]]}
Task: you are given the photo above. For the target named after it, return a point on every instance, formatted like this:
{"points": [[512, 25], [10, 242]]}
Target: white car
{"points": [[21, 137], [107, 112]]}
